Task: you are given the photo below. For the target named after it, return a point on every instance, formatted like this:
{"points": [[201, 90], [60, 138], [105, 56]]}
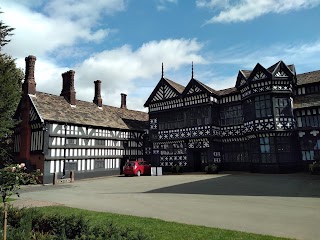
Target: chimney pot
{"points": [[29, 85], [68, 91], [123, 101], [97, 93]]}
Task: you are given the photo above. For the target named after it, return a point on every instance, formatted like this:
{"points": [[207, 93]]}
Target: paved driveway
{"points": [[285, 205]]}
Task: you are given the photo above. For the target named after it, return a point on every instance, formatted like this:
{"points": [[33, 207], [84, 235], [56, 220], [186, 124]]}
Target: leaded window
{"points": [[198, 116], [312, 89], [171, 120], [308, 118], [263, 106], [264, 150], [282, 107], [231, 115], [236, 152], [310, 148]]}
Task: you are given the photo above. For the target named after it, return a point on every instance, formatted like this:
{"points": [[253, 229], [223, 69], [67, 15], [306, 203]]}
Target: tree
{"points": [[5, 31], [10, 93]]}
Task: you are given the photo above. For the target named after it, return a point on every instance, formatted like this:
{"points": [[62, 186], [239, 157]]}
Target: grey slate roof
{"points": [[227, 91], [175, 85], [211, 90], [246, 73], [304, 101], [308, 77], [56, 108]]}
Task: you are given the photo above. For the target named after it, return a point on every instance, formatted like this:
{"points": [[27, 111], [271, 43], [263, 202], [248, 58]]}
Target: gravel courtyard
{"points": [[286, 205]]}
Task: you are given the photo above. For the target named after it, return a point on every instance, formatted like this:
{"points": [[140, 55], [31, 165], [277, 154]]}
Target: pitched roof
{"points": [[304, 101], [227, 91], [175, 85], [56, 108], [308, 77], [246, 73], [211, 90], [273, 67]]}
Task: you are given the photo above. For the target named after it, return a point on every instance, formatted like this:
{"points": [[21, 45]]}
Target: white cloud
{"points": [[163, 4], [41, 34], [245, 10], [125, 70], [305, 56], [121, 70]]}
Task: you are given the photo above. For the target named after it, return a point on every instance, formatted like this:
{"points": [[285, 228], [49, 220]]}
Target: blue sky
{"points": [[124, 42]]}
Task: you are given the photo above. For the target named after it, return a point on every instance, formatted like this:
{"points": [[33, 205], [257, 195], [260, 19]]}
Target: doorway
{"points": [[200, 159]]}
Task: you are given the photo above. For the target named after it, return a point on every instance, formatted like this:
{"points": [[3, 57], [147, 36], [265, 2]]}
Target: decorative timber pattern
{"points": [[164, 92]]}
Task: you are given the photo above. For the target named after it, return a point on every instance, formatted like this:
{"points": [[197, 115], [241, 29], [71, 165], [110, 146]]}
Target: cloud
{"points": [[245, 10], [304, 55], [121, 70], [133, 71], [163, 4], [56, 27]]}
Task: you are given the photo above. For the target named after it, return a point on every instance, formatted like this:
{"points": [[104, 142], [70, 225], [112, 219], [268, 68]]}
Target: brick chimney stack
{"points": [[123, 101], [68, 91], [29, 85], [97, 93]]}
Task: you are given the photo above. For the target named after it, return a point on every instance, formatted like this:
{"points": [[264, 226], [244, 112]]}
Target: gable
{"points": [[282, 71], [196, 87], [162, 92], [241, 79], [34, 115], [259, 73]]}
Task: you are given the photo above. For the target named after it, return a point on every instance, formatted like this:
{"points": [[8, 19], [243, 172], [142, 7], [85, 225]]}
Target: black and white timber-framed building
{"points": [[268, 122], [58, 134]]}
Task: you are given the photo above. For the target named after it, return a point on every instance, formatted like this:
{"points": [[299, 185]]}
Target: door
{"points": [[197, 161]]}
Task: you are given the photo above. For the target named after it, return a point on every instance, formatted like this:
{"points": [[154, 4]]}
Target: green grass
{"points": [[158, 229]]}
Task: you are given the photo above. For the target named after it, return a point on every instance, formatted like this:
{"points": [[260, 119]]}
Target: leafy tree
{"points": [[10, 92]]}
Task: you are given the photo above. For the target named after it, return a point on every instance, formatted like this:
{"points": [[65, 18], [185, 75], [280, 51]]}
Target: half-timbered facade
{"points": [[268, 122], [58, 134]]}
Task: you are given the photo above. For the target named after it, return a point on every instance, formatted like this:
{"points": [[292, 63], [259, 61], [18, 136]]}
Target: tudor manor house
{"points": [[268, 122]]}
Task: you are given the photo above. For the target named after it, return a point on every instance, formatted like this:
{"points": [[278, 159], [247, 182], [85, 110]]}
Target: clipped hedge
{"points": [[26, 224]]}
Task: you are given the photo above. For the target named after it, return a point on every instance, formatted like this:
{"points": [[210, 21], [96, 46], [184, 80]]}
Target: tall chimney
{"points": [[68, 91], [123, 101], [97, 93], [29, 85]]}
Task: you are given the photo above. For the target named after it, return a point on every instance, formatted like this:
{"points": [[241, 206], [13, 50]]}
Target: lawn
{"points": [[158, 229]]}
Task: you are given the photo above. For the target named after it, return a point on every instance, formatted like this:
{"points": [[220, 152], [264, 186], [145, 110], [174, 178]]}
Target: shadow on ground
{"points": [[282, 185]]}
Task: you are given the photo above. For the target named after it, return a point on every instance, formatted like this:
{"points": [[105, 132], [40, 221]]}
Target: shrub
{"points": [[211, 168], [176, 168], [314, 167], [26, 224]]}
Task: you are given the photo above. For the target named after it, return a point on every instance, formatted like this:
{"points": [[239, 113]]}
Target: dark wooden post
{"points": [[55, 177], [72, 176]]}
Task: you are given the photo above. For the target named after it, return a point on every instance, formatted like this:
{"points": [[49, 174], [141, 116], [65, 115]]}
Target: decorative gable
{"points": [[33, 114], [243, 81], [163, 93], [281, 73], [259, 75], [194, 89]]}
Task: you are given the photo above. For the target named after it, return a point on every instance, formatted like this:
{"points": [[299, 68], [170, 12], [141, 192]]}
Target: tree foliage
{"points": [[5, 32], [10, 92]]}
